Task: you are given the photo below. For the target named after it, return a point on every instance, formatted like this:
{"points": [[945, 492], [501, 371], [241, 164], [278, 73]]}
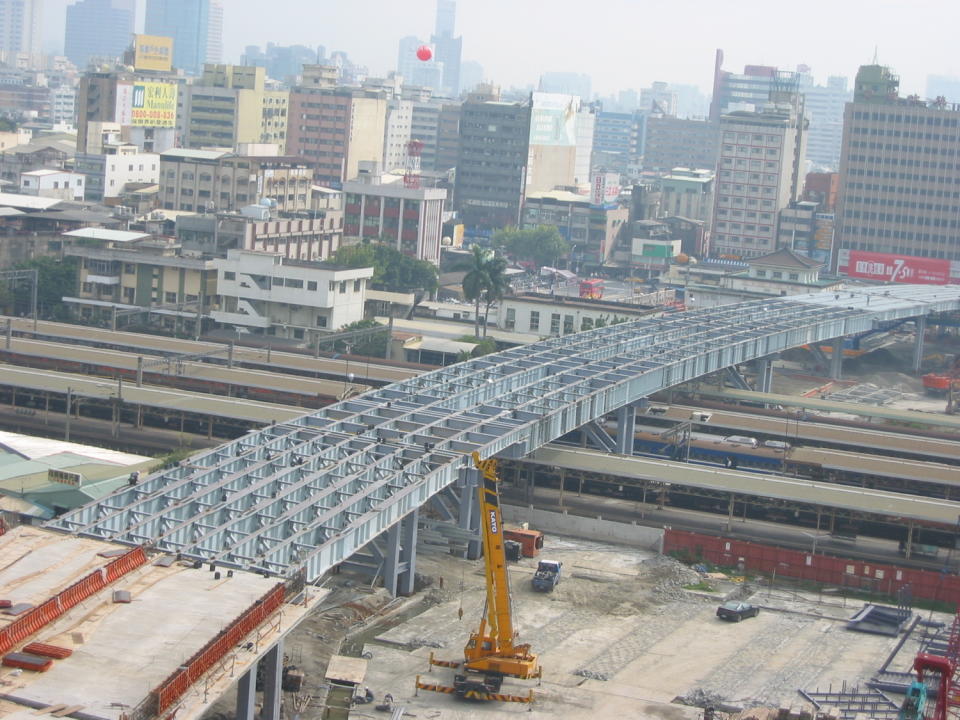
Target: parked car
{"points": [[737, 611]]}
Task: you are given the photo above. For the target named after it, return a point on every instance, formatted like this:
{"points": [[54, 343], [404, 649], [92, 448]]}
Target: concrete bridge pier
{"points": [[836, 359], [272, 662]]}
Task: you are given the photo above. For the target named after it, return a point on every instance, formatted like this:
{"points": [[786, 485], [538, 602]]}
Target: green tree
{"points": [[57, 280], [481, 347], [484, 282], [369, 345], [542, 245], [392, 270]]}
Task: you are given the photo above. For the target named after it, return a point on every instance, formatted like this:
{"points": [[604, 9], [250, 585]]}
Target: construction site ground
{"points": [[619, 637]]}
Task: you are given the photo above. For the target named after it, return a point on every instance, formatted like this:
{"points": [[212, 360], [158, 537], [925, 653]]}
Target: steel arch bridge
{"points": [[310, 493]]}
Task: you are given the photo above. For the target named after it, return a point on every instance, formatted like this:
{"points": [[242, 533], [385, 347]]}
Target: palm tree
{"points": [[485, 281], [497, 286]]}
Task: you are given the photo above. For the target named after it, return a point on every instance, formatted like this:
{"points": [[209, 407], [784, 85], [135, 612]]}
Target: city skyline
{"points": [[617, 55]]}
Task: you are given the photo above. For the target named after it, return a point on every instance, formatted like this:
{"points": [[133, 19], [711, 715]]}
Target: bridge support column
{"points": [[626, 428], [247, 694], [921, 325], [408, 554], [836, 359], [469, 510], [765, 378], [272, 681]]}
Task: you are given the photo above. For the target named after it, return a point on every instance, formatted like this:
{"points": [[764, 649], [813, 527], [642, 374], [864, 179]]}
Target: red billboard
{"points": [[886, 267]]}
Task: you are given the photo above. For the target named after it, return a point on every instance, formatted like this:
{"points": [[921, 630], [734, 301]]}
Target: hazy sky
{"points": [[619, 43]]}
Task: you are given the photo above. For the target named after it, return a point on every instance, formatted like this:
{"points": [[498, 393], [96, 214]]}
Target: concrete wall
{"points": [[620, 533]]}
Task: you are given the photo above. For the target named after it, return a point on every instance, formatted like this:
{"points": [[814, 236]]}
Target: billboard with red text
{"points": [[887, 267]]}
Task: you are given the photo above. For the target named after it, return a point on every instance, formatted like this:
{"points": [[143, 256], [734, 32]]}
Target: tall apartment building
{"points": [[687, 193], [674, 142], [108, 98], [759, 173], [231, 105], [397, 129], [196, 27], [110, 171], [748, 90], [492, 161], [899, 173], [448, 48], [335, 127], [98, 29], [823, 106], [197, 180], [380, 207], [448, 137], [20, 29], [618, 140]]}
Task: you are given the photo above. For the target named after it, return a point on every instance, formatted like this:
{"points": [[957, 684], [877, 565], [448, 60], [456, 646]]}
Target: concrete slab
{"points": [[122, 651]]}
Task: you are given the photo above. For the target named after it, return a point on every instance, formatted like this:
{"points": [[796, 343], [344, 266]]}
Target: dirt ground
{"points": [[620, 636]]}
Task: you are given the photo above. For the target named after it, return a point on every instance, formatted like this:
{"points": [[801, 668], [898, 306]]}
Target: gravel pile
{"points": [[592, 675], [670, 576]]}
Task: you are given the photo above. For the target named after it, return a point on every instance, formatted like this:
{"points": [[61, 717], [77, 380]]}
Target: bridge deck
{"points": [[310, 492]]}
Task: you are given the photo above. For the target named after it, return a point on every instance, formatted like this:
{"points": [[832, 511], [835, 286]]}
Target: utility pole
{"points": [[66, 434]]}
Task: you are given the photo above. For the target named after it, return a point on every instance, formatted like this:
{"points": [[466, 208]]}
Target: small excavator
{"points": [[492, 652]]}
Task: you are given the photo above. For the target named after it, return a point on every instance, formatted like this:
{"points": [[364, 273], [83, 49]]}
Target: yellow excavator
{"points": [[491, 652]]}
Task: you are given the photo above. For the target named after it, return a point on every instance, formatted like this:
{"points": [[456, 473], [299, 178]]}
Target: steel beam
{"points": [[598, 436], [470, 509], [408, 554], [738, 380], [626, 428]]}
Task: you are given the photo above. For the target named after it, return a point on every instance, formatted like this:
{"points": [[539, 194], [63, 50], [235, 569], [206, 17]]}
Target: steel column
{"points": [[626, 427], [408, 553], [921, 325], [836, 359], [766, 375], [469, 509], [391, 560]]}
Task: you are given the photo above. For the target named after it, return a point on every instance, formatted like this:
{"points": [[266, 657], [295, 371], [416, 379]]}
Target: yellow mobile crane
{"points": [[491, 652]]}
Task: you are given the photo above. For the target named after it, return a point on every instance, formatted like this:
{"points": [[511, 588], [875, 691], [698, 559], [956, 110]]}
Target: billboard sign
{"points": [[147, 104], [887, 267], [152, 52], [553, 119], [604, 189]]}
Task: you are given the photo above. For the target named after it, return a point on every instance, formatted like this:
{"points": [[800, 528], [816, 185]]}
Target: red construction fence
{"points": [[171, 689], [823, 569], [33, 620]]}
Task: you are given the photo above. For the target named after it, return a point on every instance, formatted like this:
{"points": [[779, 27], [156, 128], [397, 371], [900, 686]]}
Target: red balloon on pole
{"points": [[424, 53]]}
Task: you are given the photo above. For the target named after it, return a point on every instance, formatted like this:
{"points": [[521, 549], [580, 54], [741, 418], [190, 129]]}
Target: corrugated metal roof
{"points": [[190, 154], [28, 202]]}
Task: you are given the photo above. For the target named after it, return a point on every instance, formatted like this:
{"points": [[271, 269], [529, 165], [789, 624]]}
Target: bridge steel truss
{"points": [[311, 492]]}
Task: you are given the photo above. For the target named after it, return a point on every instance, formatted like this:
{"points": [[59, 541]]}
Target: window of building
{"points": [[170, 297], [534, 320], [511, 321], [129, 268], [311, 284], [567, 324], [794, 276], [294, 283], [777, 275], [555, 323], [356, 285], [761, 273], [343, 287], [227, 275], [586, 324], [321, 321]]}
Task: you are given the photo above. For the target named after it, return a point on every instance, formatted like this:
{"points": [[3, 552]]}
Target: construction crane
{"points": [[940, 672], [492, 652]]}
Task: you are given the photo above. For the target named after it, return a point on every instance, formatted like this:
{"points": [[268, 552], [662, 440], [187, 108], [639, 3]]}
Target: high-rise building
{"points": [[561, 141], [618, 141], [196, 27], [762, 157], [335, 127], [98, 29], [674, 142], [823, 106], [899, 174], [748, 90], [448, 137], [448, 48], [658, 99], [20, 25], [492, 161], [423, 73], [229, 105]]}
